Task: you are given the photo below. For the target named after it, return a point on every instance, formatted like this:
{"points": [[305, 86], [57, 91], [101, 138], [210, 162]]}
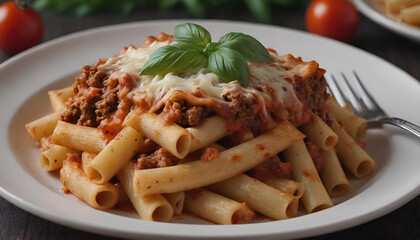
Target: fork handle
{"points": [[404, 124]]}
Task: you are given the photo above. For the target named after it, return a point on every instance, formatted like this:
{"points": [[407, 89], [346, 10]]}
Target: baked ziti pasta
{"points": [[227, 131], [405, 11]]}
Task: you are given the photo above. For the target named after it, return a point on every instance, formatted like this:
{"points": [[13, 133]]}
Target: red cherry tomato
{"points": [[20, 28], [336, 19]]}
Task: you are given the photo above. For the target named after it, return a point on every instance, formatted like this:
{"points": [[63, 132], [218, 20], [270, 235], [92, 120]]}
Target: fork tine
{"points": [[358, 102], [330, 90], [361, 98], [336, 91], [367, 96]]}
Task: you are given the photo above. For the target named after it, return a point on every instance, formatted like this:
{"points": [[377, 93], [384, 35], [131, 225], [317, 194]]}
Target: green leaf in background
{"points": [[192, 33], [228, 65], [81, 8], [84, 10], [197, 8], [260, 9], [285, 3], [41, 4], [247, 46], [167, 4], [178, 58]]}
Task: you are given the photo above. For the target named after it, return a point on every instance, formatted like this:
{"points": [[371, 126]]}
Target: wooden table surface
{"points": [[403, 223]]}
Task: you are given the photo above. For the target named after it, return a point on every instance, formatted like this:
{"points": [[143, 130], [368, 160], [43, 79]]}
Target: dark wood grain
{"points": [[403, 223]]}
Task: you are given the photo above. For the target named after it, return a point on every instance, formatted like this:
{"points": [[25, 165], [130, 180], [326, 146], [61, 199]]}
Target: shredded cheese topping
{"points": [[158, 88]]}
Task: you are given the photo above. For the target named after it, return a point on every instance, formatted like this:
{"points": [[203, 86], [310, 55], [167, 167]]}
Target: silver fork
{"points": [[364, 105]]}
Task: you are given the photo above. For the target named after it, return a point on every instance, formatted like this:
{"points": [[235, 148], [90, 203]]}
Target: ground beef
{"points": [[97, 79], [159, 158], [106, 106], [313, 94], [209, 154], [72, 113], [184, 114], [271, 168], [87, 108], [81, 109], [244, 108], [96, 97], [149, 146], [247, 108], [90, 77]]}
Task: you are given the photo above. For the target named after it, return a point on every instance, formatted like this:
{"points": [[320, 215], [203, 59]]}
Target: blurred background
{"points": [[62, 17]]}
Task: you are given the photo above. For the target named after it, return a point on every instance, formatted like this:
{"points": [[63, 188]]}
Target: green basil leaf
{"points": [[193, 34], [178, 58], [245, 45], [229, 65]]}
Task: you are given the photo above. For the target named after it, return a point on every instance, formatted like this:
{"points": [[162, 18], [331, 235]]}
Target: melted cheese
{"points": [[131, 61], [158, 88]]}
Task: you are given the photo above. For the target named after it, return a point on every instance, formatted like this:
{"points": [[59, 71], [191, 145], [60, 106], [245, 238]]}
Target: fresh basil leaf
{"points": [[193, 34], [178, 58], [247, 46], [229, 65], [210, 47]]}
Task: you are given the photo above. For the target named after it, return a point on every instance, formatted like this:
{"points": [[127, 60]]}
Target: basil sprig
{"points": [[194, 49]]}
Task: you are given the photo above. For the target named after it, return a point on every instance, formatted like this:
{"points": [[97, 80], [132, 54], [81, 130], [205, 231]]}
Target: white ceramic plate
{"points": [[26, 78], [372, 10]]}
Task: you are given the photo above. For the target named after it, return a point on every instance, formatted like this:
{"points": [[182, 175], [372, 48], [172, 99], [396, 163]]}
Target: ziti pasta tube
{"points": [[59, 97], [320, 133], [354, 125], [115, 154], [152, 207], [286, 185], [353, 157], [172, 137], [216, 208], [258, 196], [176, 200], [43, 127], [78, 137], [332, 175], [230, 162], [99, 196], [52, 158], [315, 197]]}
